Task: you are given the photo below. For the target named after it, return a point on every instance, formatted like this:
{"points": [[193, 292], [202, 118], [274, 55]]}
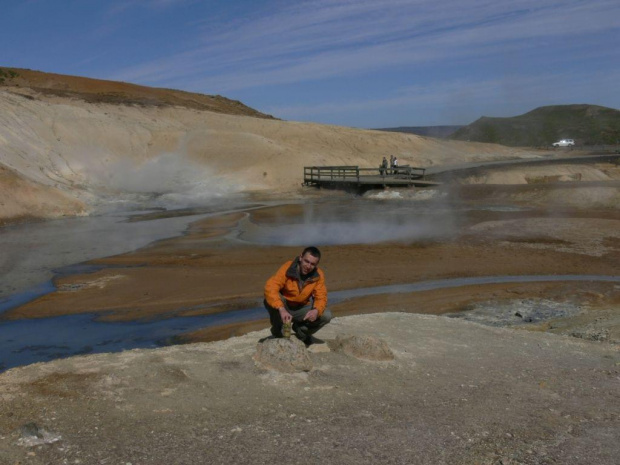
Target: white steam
{"points": [[170, 180], [408, 194], [332, 233], [358, 222]]}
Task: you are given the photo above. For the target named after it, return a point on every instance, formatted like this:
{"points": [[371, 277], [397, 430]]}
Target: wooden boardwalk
{"points": [[354, 177]]}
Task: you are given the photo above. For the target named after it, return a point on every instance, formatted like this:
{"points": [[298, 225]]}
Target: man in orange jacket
{"points": [[297, 293]]}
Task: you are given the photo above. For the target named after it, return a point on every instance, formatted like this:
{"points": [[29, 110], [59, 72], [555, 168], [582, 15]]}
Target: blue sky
{"points": [[363, 63]]}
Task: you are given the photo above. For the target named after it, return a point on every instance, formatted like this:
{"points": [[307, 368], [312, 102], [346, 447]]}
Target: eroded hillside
{"points": [[92, 141]]}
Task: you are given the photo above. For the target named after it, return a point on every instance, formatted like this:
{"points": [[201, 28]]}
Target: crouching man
{"points": [[297, 293]]}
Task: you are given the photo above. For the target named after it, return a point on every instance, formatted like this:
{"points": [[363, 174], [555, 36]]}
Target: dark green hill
{"points": [[586, 124]]}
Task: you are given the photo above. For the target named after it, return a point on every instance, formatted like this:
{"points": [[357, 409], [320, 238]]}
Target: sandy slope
{"points": [[22, 197], [92, 150]]}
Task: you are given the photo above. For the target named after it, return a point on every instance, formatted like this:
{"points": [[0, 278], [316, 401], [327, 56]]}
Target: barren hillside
{"points": [[121, 93], [84, 141]]}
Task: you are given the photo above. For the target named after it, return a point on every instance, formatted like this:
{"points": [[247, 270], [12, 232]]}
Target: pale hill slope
{"points": [[24, 198], [95, 150]]}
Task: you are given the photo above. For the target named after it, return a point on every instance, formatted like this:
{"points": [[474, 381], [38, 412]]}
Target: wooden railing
{"points": [[314, 174]]}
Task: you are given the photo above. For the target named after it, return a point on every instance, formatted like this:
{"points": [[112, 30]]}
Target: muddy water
{"points": [[359, 221], [32, 253], [28, 341]]}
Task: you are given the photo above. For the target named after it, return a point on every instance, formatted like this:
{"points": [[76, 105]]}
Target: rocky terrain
{"points": [[391, 388]]}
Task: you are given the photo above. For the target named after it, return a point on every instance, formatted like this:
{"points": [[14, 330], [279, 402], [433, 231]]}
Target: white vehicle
{"points": [[564, 143]]}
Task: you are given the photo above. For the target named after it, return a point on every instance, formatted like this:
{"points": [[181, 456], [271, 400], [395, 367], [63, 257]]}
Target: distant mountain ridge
{"points": [[118, 93], [586, 124], [439, 132]]}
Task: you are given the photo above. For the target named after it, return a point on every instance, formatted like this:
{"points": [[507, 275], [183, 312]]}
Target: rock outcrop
{"points": [[284, 355]]}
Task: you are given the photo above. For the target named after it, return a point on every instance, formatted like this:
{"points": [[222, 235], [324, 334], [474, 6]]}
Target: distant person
{"points": [[395, 164], [297, 294], [383, 167]]}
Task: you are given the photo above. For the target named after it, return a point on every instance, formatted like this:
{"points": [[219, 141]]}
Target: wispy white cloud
{"points": [[464, 58], [450, 96], [329, 38]]}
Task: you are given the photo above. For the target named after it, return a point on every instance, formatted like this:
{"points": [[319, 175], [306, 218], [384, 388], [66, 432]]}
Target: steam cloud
{"points": [[170, 180], [360, 232], [360, 222]]}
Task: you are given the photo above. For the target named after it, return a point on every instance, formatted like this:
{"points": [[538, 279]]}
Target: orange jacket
{"points": [[287, 283]]}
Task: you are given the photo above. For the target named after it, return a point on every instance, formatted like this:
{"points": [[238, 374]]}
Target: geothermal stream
{"points": [[38, 251], [33, 253], [29, 341]]}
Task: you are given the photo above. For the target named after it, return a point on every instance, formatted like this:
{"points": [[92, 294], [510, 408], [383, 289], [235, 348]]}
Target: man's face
{"points": [[308, 263]]}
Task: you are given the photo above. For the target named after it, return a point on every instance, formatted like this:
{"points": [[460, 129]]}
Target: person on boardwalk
{"points": [[395, 165], [296, 293], [383, 167]]}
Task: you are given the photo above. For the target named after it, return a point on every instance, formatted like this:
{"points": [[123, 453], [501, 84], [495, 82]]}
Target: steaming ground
{"points": [[509, 396], [63, 156], [367, 243], [169, 181], [340, 233], [546, 397], [34, 251], [360, 221]]}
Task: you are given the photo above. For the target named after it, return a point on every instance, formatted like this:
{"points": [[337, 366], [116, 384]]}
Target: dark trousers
{"points": [[303, 328]]}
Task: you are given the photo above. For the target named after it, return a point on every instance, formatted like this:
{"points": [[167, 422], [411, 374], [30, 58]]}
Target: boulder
{"points": [[284, 355]]}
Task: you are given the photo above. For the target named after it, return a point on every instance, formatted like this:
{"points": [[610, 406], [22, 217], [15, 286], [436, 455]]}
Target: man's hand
{"points": [[284, 315], [312, 315]]}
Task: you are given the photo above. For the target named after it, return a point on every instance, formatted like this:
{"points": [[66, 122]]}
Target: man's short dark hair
{"points": [[312, 251]]}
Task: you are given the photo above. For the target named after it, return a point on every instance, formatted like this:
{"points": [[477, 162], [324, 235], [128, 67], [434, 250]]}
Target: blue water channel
{"points": [[27, 341]]}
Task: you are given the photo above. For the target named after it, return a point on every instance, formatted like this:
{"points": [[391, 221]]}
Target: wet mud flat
{"points": [[215, 271], [35, 252]]}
